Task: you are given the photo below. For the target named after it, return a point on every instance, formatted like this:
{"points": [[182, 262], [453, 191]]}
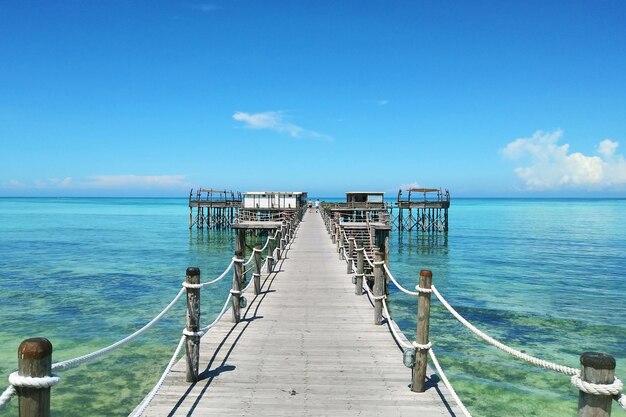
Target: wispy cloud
{"points": [[378, 102], [207, 7], [410, 185], [275, 120], [548, 165], [108, 182]]}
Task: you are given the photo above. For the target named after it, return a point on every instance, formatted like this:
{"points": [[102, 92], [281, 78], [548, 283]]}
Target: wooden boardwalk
{"points": [[306, 346]]}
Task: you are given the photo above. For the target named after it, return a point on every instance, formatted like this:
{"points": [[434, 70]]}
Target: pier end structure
{"points": [[363, 217], [215, 209], [422, 209], [269, 212]]}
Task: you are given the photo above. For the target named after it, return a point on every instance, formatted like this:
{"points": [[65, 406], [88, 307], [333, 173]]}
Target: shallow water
{"points": [[540, 275]]}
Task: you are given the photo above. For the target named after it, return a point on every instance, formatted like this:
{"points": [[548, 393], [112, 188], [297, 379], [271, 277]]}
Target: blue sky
{"points": [[151, 98]]}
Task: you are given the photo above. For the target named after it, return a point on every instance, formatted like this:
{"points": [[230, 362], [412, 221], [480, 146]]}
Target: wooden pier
{"points": [[305, 346]]}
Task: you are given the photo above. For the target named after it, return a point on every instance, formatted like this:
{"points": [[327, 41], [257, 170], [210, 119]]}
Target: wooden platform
{"points": [[307, 347]]}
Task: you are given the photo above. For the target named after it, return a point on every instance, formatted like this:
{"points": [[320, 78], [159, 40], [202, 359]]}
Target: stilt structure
{"points": [[423, 209], [364, 218], [265, 212], [215, 209]]}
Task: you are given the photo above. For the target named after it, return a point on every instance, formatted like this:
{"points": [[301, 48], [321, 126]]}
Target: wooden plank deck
{"points": [[306, 346]]}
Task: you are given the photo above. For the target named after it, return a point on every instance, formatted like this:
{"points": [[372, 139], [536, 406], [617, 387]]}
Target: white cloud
{"points": [[379, 102], [548, 165], [274, 120], [137, 181], [410, 185], [207, 7], [105, 182]]}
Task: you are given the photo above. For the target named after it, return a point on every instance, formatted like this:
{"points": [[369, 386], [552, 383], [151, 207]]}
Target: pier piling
{"points": [[423, 328], [192, 342], [596, 368]]}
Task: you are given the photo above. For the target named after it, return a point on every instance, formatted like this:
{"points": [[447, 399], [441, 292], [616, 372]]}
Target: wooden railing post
{"points": [[349, 256], [34, 359], [332, 232], [192, 342], [279, 249], [270, 255], [236, 290], [378, 288], [423, 328], [257, 269], [340, 245], [358, 282], [596, 368]]}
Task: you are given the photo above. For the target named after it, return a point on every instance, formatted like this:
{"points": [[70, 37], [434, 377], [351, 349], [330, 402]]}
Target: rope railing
{"points": [[47, 381], [71, 363], [614, 389]]}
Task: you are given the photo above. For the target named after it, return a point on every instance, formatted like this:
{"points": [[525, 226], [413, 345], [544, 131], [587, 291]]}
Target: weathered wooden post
{"points": [[34, 359], [235, 292], [596, 368], [423, 327], [279, 237], [349, 257], [332, 233], [340, 245], [270, 255], [192, 342], [283, 236], [378, 288], [358, 282], [257, 269]]}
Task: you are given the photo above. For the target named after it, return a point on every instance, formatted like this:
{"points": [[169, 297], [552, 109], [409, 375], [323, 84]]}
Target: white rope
{"points": [[428, 346], [520, 355], [192, 334], [367, 258], [621, 400], [41, 382], [250, 259], [230, 265], [397, 284], [419, 346], [219, 316], [447, 383], [395, 334], [597, 389], [192, 286], [91, 356], [146, 402], [7, 395]]}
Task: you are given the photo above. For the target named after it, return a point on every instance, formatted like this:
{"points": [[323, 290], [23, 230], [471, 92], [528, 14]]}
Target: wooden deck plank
{"points": [[306, 346]]}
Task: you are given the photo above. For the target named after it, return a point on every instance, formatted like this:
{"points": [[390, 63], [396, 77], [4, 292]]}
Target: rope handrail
{"points": [[447, 383], [153, 392], [219, 316], [228, 268], [397, 284], [367, 258], [514, 352], [70, 363]]}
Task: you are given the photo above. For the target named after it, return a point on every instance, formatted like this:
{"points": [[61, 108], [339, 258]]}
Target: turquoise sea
{"points": [[541, 275]]}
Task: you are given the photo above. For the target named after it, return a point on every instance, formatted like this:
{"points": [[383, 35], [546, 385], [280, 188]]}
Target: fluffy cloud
{"points": [[275, 120], [548, 165]]}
